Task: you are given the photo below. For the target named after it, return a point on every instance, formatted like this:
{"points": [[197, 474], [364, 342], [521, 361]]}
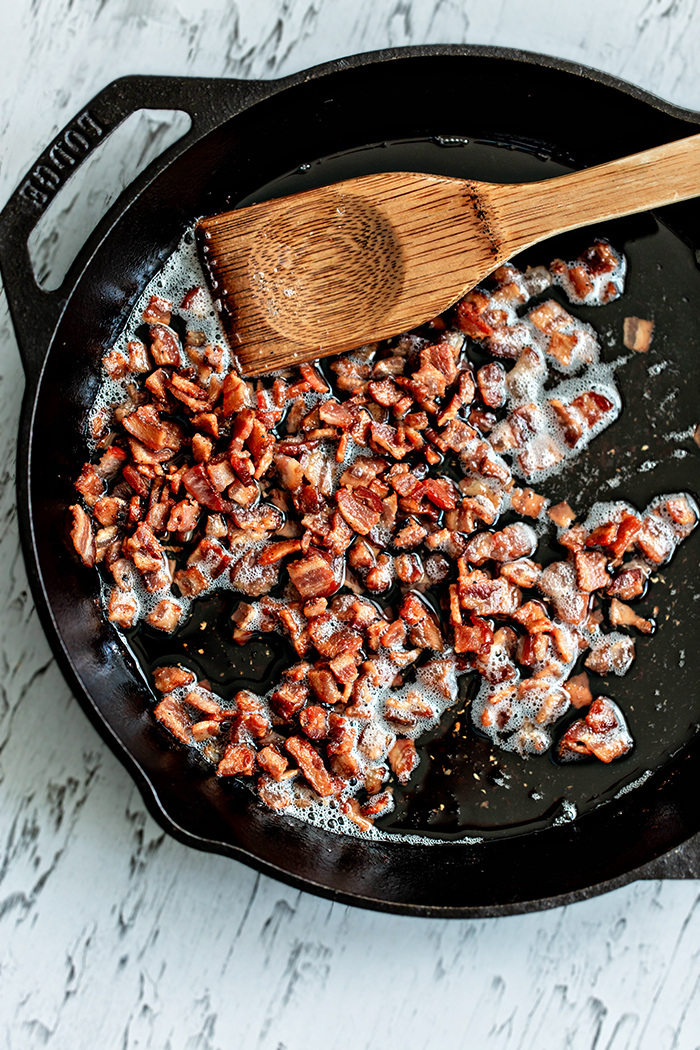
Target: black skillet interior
{"points": [[413, 111]]}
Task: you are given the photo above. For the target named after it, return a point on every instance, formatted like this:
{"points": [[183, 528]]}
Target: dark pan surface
{"points": [[400, 102]]}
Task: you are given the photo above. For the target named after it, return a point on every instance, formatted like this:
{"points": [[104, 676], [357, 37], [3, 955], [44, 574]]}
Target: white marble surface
{"points": [[112, 935]]}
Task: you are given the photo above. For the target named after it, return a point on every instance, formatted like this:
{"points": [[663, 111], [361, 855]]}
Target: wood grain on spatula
{"points": [[303, 277]]}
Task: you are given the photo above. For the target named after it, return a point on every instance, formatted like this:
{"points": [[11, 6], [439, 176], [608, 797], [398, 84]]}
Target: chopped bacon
{"points": [[157, 310], [166, 679], [403, 759], [123, 607], [83, 536], [527, 502], [602, 733], [579, 690], [90, 484], [491, 381], [272, 760], [627, 583], [155, 433], [238, 758], [611, 654], [621, 614], [562, 515], [171, 713], [165, 616], [312, 576], [591, 571], [360, 514], [311, 765], [637, 334], [165, 346]]}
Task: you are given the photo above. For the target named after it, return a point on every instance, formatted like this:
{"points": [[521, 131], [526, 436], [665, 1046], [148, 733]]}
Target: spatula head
{"points": [[303, 277]]}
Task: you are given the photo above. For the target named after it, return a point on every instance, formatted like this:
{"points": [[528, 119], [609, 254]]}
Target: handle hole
{"points": [[79, 205]]}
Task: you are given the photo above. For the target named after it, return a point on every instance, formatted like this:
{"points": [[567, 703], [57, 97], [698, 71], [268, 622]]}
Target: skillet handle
{"points": [[35, 312]]}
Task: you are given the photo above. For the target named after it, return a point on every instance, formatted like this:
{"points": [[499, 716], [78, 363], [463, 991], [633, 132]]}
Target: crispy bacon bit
{"points": [[312, 576], [157, 311], [611, 654], [579, 690], [272, 760], [562, 515], [527, 502], [627, 583], [360, 514], [171, 713], [83, 536], [491, 381], [238, 758], [165, 616], [166, 679], [165, 346], [621, 614], [123, 608], [314, 722], [602, 733], [403, 759], [637, 334], [591, 571], [311, 765], [115, 364]]}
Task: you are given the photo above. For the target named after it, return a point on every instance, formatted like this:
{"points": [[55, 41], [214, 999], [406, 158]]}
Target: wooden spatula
{"points": [[308, 276]]}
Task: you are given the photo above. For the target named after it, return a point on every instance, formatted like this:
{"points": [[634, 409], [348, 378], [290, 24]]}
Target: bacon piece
{"points": [[311, 765], [171, 713], [139, 360], [109, 510], [83, 536], [166, 679], [570, 419], [155, 433], [145, 550], [593, 406], [579, 690], [236, 394], [115, 364], [637, 334], [411, 535], [491, 381], [481, 594], [165, 346], [312, 576], [655, 539], [591, 571], [314, 721], [324, 686], [562, 515], [272, 760], [165, 616], [122, 608], [238, 758], [359, 515], [468, 316], [183, 517], [527, 502], [157, 310], [441, 492], [90, 484], [199, 485], [627, 583], [611, 654], [289, 698], [621, 614], [386, 439], [403, 759], [522, 572], [603, 733], [558, 582]]}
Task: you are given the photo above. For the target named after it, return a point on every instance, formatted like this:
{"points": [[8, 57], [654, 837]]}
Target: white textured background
{"points": [[114, 936]]}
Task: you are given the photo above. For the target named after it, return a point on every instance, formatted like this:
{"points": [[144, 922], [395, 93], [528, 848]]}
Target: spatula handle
{"points": [[652, 179]]}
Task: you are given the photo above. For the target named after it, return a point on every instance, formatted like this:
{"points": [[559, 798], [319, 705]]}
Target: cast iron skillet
{"points": [[244, 136]]}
